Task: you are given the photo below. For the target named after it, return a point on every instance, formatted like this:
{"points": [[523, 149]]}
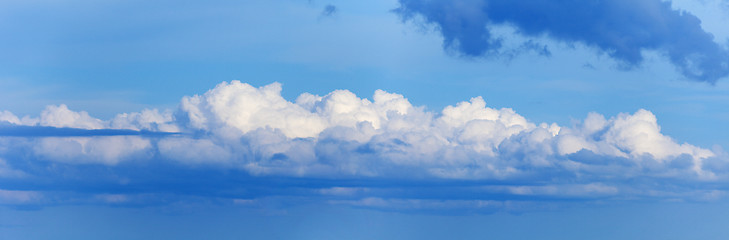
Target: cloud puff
{"points": [[9, 117], [355, 145], [622, 29], [61, 116], [147, 119], [240, 107]]}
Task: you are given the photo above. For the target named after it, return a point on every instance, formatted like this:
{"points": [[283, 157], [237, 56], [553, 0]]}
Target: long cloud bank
{"points": [[246, 143], [622, 29]]}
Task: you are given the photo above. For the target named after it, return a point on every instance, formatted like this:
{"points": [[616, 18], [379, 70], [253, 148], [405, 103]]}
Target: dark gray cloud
{"points": [[621, 29]]}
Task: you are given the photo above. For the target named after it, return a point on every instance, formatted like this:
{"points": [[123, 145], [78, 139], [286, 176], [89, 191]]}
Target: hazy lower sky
{"points": [[295, 119]]}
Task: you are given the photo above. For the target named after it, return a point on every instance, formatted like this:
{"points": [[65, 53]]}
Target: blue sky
{"points": [[379, 119]]}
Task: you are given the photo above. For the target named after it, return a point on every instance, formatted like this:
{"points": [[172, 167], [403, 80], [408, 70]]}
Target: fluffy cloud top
{"points": [[622, 29], [342, 133], [341, 136]]}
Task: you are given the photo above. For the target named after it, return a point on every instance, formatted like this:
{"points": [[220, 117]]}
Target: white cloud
{"points": [[239, 106], [351, 135], [238, 127], [108, 150], [148, 119], [630, 136], [61, 116], [639, 134], [6, 116], [256, 129]]}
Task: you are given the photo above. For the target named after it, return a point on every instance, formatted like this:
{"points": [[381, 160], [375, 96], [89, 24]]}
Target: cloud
{"points": [[106, 150], [11, 197], [61, 117], [147, 119], [238, 141], [7, 172], [242, 108], [621, 29], [329, 10], [9, 117]]}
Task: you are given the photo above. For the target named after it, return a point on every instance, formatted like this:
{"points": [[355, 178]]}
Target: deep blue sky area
{"points": [[388, 119]]}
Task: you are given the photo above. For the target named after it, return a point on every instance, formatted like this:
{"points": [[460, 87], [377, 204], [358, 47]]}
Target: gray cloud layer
{"points": [[622, 29]]}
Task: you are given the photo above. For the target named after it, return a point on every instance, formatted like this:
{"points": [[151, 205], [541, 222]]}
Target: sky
{"points": [[386, 119]]}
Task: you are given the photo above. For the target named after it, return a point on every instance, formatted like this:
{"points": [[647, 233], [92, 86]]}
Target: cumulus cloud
{"points": [[242, 108], [621, 29], [359, 143], [61, 116], [9, 117]]}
